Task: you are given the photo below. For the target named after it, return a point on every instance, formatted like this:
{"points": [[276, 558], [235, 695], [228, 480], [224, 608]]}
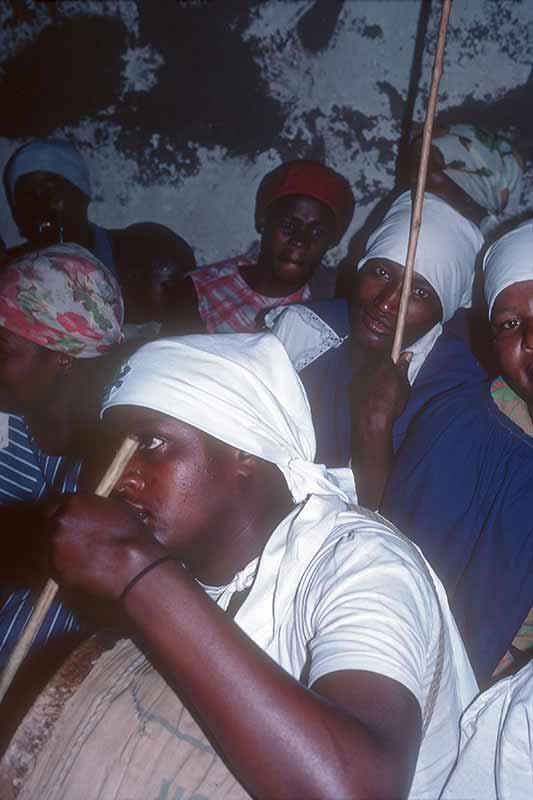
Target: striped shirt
{"points": [[26, 474]]}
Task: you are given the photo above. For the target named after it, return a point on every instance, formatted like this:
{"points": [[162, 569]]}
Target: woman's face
{"points": [[512, 328], [375, 304]]}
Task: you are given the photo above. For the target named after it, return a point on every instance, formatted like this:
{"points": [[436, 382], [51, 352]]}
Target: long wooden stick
{"points": [[416, 213], [104, 489]]}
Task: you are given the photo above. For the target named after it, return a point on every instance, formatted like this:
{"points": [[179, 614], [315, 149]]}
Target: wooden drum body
{"points": [[108, 727]]}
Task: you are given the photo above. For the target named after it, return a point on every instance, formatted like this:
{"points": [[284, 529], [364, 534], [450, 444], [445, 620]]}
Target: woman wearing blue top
{"points": [[462, 481], [341, 351]]}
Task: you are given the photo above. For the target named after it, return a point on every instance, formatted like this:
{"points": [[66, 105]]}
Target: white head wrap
{"points": [[240, 389], [48, 155], [509, 260], [446, 256]]}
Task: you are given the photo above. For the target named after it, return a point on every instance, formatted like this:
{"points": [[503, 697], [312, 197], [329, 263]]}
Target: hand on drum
{"points": [[97, 545]]}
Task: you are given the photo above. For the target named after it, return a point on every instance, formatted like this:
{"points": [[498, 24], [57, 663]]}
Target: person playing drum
{"points": [[309, 638]]}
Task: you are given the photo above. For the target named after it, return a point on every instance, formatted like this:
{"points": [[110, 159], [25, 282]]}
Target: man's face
{"points": [[44, 203], [298, 231], [27, 373], [512, 327], [375, 304], [180, 482]]}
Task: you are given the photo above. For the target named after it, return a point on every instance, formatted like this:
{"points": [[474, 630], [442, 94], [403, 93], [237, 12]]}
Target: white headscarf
{"points": [[240, 389], [48, 155], [446, 256], [509, 260]]}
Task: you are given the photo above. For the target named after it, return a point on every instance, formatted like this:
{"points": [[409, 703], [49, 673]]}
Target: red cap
{"points": [[312, 179]]}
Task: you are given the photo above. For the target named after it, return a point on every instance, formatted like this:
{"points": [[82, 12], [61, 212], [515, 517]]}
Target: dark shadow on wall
{"points": [[71, 70], [511, 112], [210, 89], [415, 74], [317, 25]]}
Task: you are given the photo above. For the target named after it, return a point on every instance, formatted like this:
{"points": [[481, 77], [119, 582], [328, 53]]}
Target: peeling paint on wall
{"points": [[180, 107]]}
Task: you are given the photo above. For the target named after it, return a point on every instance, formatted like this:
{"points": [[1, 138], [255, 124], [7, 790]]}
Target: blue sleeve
{"points": [[462, 489], [21, 476], [449, 365]]}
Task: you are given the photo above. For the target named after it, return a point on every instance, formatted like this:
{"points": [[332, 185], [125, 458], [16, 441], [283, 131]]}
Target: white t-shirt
{"points": [[346, 588], [496, 752]]}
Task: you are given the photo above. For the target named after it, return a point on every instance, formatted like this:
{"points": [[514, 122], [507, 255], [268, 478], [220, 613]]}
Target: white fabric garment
{"points": [[496, 751], [509, 260], [343, 590], [304, 335], [243, 580], [241, 389], [335, 587], [49, 155], [445, 256]]}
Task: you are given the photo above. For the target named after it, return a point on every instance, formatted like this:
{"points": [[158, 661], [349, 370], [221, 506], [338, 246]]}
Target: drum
{"points": [[108, 727]]}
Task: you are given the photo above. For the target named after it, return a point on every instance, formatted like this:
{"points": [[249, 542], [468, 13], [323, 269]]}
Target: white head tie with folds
{"points": [[241, 389], [509, 260], [446, 253]]}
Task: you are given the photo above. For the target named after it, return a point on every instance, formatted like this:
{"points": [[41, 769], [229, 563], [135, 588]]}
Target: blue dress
{"points": [[327, 381], [462, 489]]}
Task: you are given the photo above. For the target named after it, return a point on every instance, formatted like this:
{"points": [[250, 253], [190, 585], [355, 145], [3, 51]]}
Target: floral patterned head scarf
{"points": [[62, 298], [483, 165]]}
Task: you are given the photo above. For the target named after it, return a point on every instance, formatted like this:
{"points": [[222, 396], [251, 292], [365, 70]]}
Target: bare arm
{"points": [[281, 739], [353, 735]]}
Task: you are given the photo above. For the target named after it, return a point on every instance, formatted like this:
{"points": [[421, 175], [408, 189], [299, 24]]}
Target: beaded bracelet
{"points": [[142, 573]]}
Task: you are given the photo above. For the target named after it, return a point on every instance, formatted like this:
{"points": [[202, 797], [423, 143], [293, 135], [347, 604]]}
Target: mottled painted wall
{"points": [[180, 107]]}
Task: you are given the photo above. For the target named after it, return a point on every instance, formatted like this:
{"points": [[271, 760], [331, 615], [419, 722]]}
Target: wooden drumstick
{"points": [[104, 489], [416, 214]]}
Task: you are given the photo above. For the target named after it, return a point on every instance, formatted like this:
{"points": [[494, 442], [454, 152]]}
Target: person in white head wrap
{"points": [[446, 253], [468, 458], [508, 261], [334, 595], [508, 281], [444, 268], [347, 347], [260, 406]]}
